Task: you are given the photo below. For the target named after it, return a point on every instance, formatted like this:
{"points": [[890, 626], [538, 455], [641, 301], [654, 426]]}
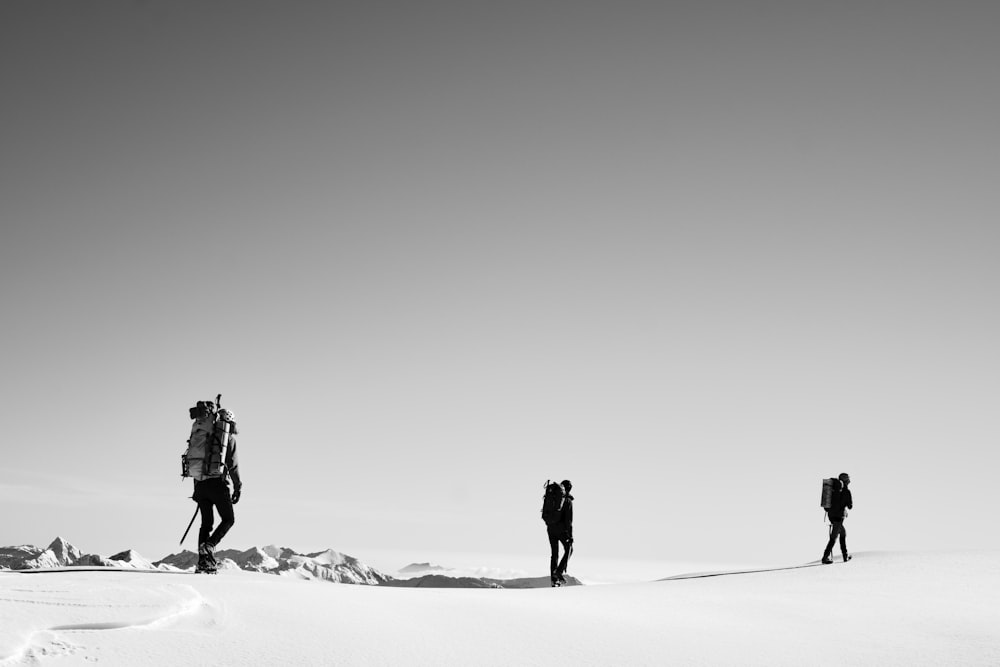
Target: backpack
{"points": [[552, 503], [207, 447], [831, 487]]}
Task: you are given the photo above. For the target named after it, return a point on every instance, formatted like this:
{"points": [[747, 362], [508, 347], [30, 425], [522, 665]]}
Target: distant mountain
{"points": [[442, 581], [64, 552], [185, 560], [58, 554], [130, 558], [328, 565], [413, 568]]}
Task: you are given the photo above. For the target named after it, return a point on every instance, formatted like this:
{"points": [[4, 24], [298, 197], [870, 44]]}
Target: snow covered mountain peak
{"points": [[64, 552]]}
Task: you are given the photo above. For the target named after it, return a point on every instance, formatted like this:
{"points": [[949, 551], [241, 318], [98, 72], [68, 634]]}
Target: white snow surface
{"points": [[882, 608]]}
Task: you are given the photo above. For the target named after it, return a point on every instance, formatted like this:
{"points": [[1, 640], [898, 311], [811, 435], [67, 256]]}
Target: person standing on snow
{"points": [[213, 493], [561, 531], [842, 501]]}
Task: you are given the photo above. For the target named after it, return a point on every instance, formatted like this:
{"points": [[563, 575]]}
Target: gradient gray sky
{"points": [[692, 256]]}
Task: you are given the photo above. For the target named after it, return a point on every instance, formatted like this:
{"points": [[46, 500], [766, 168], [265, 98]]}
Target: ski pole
{"points": [[190, 524]]}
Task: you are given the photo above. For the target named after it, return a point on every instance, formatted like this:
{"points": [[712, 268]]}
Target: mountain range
{"points": [[328, 565]]}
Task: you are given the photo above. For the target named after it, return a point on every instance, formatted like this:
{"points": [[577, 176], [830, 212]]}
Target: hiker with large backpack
{"points": [[557, 513], [837, 500], [210, 459]]}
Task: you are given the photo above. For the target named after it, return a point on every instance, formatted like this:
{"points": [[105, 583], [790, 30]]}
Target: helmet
{"points": [[226, 414]]}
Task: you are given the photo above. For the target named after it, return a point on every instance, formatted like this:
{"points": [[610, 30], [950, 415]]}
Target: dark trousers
{"points": [[213, 493], [558, 567], [837, 530]]}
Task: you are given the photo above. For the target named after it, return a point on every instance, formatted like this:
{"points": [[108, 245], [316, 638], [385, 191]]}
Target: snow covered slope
{"points": [[879, 609]]}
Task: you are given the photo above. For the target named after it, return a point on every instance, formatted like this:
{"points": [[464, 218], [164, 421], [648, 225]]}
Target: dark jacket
{"points": [[563, 526], [842, 500]]}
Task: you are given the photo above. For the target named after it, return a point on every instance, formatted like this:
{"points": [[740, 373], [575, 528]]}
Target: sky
{"points": [[694, 257]]}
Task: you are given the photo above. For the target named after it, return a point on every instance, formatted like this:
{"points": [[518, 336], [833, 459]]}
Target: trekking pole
{"points": [[190, 524]]}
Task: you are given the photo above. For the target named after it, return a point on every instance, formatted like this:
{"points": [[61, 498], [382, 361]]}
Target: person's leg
{"points": [[207, 520], [843, 541], [205, 503], [554, 555], [224, 504], [567, 552], [835, 528]]}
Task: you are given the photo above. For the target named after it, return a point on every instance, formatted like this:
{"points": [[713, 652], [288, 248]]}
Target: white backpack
{"points": [[209, 443]]}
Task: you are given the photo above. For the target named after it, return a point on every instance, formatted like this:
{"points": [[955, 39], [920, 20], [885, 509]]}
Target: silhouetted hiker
{"points": [[842, 501], [210, 459], [559, 523]]}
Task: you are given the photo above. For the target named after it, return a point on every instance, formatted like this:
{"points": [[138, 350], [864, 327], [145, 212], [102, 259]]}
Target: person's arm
{"points": [[568, 518], [233, 464], [850, 500]]}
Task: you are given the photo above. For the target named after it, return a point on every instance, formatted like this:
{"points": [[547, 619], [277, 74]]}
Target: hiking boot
{"points": [[827, 560], [847, 557], [206, 557]]}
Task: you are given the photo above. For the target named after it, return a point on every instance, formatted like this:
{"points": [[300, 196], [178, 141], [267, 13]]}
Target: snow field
{"points": [[881, 608]]}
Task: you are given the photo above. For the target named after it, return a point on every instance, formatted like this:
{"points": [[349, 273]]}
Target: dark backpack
{"points": [[552, 503], [831, 489]]}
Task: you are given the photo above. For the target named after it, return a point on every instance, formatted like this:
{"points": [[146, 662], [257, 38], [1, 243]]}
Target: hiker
{"points": [[210, 466], [837, 512], [560, 530]]}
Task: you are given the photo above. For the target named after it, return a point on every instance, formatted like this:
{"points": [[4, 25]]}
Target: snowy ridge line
{"points": [[706, 575]]}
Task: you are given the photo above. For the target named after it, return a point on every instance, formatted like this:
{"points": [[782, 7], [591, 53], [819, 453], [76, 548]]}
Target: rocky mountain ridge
{"points": [[328, 565], [59, 553]]}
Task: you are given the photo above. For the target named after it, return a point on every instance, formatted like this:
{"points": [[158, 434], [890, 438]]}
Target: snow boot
{"points": [[827, 560], [847, 557], [206, 559]]}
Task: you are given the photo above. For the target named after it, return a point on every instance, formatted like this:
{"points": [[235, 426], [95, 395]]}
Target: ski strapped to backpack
{"points": [[207, 447], [552, 502]]}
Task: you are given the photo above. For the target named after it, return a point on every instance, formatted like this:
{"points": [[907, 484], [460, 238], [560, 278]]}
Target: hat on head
{"points": [[844, 477], [566, 484]]}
